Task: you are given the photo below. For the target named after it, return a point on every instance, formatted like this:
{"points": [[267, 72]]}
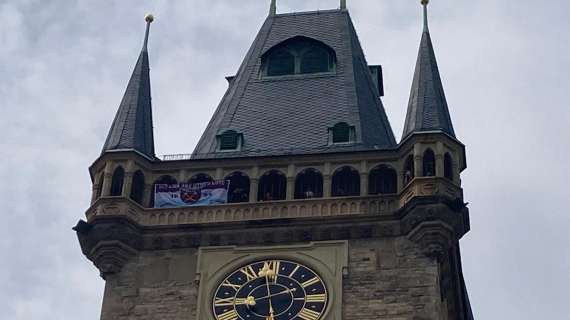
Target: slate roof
{"points": [[427, 108], [291, 115], [132, 128]]}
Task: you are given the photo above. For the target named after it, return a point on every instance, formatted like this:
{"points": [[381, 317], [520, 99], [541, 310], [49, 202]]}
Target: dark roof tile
{"points": [[132, 127], [292, 115], [427, 108]]}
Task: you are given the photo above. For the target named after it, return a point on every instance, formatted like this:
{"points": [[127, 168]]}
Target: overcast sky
{"points": [[64, 65]]}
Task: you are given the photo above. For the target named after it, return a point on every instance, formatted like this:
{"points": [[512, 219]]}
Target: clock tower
{"points": [[297, 203]]}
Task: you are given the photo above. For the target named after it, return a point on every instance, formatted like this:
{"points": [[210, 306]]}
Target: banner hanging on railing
{"points": [[191, 194]]}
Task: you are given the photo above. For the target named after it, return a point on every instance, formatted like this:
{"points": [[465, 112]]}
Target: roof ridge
{"points": [[357, 46]]}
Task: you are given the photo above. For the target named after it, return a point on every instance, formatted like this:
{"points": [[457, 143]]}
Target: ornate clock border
{"points": [[327, 258]]}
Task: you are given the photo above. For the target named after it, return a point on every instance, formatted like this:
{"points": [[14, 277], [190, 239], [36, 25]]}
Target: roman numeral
{"points": [[221, 302], [229, 284], [307, 314], [230, 315], [249, 273], [275, 265], [310, 282], [294, 271], [316, 298]]}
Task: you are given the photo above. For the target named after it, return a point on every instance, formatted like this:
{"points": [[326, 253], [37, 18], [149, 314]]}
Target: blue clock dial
{"points": [[271, 290]]}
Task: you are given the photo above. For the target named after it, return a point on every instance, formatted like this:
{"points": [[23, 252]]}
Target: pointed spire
{"points": [[132, 127], [342, 4], [427, 108], [273, 8]]}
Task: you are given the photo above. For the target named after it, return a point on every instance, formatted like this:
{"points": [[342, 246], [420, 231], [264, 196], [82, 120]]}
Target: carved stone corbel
{"points": [[433, 237], [109, 244], [111, 256]]}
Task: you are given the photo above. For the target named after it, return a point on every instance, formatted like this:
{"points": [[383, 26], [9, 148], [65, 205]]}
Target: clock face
{"points": [[271, 290]]}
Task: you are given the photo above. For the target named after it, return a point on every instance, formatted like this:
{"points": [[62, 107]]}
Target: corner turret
{"points": [[427, 108], [132, 128]]}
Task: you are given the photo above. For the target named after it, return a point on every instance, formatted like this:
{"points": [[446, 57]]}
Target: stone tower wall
{"points": [[387, 278]]}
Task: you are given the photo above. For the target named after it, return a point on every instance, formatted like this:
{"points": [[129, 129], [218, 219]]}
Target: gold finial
{"points": [[425, 2], [149, 18]]}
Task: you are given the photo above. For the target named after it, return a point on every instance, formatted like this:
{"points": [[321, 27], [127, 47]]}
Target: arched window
{"points": [[383, 180], [117, 182], [163, 180], [341, 133], [272, 186], [429, 163], [299, 55], [309, 184], [200, 178], [315, 60], [346, 182], [239, 188], [229, 140], [137, 189], [448, 166], [409, 170], [280, 63], [100, 186]]}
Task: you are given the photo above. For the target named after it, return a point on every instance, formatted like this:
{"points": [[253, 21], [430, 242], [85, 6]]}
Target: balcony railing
{"points": [[306, 208], [175, 157]]}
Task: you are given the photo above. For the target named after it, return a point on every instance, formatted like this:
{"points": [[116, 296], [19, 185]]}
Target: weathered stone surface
{"points": [[388, 278], [155, 285]]}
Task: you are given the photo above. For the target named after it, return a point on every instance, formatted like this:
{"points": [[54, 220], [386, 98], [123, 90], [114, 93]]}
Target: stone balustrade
{"points": [[305, 208]]}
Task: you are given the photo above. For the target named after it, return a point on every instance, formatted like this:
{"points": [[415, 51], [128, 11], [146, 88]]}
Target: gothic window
{"points": [[296, 56], [315, 60], [163, 180], [309, 184], [272, 186], [409, 170], [448, 166], [346, 182], [200, 178], [137, 189], [429, 163], [229, 140], [281, 63], [341, 133], [100, 186], [239, 187], [383, 180], [117, 182]]}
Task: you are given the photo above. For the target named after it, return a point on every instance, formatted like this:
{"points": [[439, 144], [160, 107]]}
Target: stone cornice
{"points": [[110, 240]]}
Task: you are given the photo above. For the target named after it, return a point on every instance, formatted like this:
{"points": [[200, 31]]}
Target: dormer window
{"points": [[316, 60], [341, 133], [297, 56], [230, 140], [281, 63]]}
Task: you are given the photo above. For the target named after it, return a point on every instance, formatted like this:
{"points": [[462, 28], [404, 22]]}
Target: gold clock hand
{"points": [[269, 295], [249, 301], [278, 294]]}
